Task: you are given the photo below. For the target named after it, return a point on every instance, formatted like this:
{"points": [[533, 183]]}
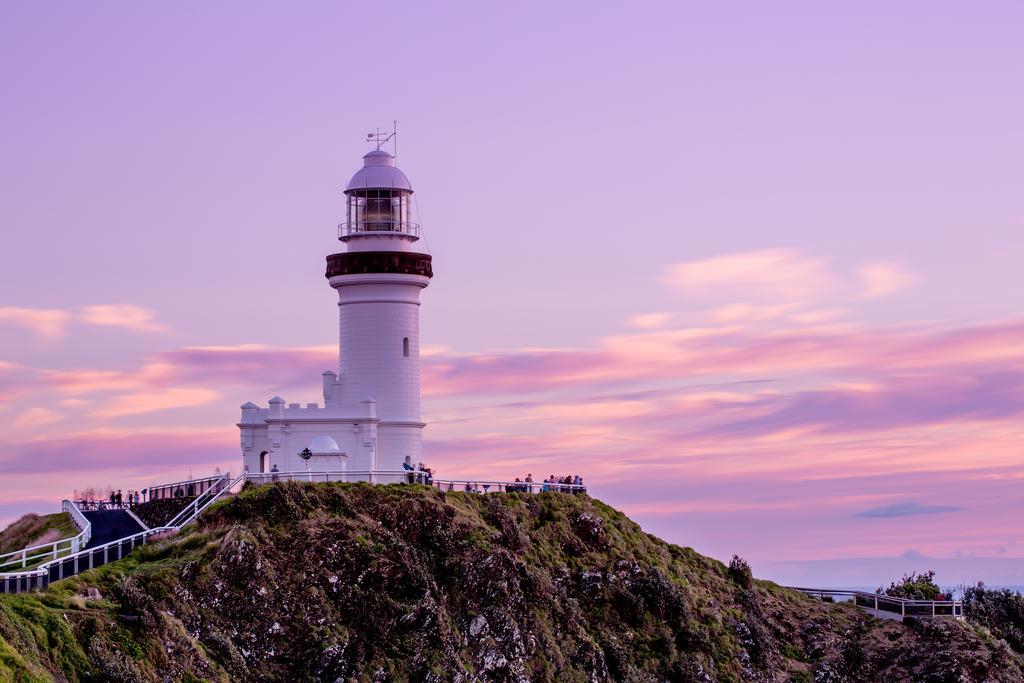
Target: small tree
{"points": [[1001, 610], [914, 586], [739, 571]]}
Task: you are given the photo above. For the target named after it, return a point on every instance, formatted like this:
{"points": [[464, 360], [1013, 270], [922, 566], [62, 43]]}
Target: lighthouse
{"points": [[370, 419]]}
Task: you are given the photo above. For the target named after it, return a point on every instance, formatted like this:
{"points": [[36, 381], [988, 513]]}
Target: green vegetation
{"points": [[740, 572], [32, 530], [999, 610], [35, 530], [914, 586], [157, 513], [357, 582]]}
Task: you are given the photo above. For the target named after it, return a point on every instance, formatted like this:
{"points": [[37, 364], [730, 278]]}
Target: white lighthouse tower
{"points": [[370, 420]]}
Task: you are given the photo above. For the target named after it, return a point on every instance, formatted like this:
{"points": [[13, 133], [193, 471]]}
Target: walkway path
{"points": [[888, 607], [116, 533], [110, 525]]}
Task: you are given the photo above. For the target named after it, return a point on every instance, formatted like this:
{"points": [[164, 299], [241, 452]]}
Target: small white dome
{"points": [[379, 173], [323, 444]]}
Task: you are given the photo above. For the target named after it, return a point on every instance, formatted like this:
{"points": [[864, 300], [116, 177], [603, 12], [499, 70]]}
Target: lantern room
{"points": [[379, 200]]}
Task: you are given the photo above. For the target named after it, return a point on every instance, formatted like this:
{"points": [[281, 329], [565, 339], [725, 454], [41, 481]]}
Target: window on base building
{"points": [[405, 347]]}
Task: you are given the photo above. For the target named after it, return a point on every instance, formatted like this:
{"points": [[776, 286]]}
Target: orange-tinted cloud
{"points": [[46, 323], [127, 316], [770, 441], [882, 278], [154, 400], [775, 274]]}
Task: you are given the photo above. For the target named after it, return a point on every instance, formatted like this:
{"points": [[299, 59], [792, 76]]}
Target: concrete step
{"points": [[110, 525]]}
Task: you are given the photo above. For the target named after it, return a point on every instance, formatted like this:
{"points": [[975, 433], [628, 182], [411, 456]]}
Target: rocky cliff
{"points": [[394, 583]]}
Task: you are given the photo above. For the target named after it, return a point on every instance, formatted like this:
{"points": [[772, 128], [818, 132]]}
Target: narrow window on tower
{"points": [[405, 347]]}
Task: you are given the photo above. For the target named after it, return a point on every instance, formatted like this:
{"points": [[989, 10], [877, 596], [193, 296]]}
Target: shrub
{"points": [[1001, 611], [914, 586], [739, 571]]}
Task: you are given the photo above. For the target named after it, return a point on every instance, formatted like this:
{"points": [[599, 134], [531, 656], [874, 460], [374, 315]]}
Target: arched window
{"points": [[405, 347]]}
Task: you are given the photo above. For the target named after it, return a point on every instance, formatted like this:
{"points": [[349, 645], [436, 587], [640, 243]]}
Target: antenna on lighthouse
{"points": [[380, 138]]}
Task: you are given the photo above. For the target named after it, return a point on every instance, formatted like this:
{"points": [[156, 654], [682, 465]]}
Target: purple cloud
{"points": [[907, 509]]}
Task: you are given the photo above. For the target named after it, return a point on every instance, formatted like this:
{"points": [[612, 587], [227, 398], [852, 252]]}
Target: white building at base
{"points": [[370, 418]]}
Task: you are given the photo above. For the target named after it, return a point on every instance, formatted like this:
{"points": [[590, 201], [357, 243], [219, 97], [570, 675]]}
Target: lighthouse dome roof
{"points": [[379, 173], [323, 444]]}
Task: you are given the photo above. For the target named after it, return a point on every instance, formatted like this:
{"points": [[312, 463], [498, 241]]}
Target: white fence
{"points": [[414, 477], [83, 560], [887, 607], [51, 551], [184, 489], [68, 561]]}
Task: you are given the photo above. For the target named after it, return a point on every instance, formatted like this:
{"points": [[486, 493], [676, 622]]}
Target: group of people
{"points": [[116, 501], [421, 474], [183, 493], [566, 484], [130, 500]]}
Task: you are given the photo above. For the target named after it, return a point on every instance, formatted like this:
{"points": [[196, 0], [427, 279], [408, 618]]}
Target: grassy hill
{"points": [[33, 529], [393, 583]]}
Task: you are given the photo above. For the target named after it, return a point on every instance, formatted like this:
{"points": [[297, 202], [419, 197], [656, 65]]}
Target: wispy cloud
{"points": [[47, 323], [765, 427], [785, 274], [780, 281], [34, 418], [154, 401], [52, 323], [127, 316], [882, 278], [907, 509], [82, 454], [650, 320]]}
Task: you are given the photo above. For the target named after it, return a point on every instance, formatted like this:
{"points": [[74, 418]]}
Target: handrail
{"points": [[200, 486], [79, 520], [54, 549], [475, 486], [56, 568], [399, 227], [903, 607], [44, 569], [212, 500], [190, 481], [415, 477], [215, 488]]}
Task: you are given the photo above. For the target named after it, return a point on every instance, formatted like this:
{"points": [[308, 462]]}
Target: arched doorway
{"points": [[264, 457]]}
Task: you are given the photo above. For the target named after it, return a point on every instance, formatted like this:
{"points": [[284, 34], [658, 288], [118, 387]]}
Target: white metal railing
{"points": [[888, 607], [378, 227], [183, 489], [414, 477], [216, 487], [201, 501], [480, 486], [90, 555], [342, 476], [36, 553], [79, 520], [196, 510]]}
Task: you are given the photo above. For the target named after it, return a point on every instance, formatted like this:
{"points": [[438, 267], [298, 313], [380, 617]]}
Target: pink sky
{"points": [[753, 271]]}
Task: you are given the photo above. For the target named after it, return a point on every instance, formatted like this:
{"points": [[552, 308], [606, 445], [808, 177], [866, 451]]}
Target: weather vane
{"points": [[380, 138]]}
